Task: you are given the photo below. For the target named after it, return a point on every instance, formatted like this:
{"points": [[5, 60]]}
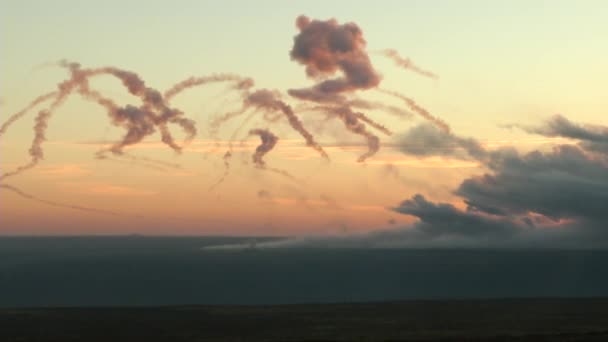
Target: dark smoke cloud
{"points": [[406, 63], [326, 47]]}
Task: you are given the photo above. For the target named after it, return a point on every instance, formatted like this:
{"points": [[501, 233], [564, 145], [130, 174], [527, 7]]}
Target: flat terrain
{"points": [[451, 320]]}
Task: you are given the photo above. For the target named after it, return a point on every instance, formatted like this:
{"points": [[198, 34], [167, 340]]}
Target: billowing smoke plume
{"points": [[406, 63], [326, 48]]}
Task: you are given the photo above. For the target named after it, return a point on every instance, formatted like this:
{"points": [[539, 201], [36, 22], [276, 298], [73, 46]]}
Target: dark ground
{"points": [[163, 271], [454, 320], [137, 288]]}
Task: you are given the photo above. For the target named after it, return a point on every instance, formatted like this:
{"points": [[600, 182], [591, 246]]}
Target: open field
{"points": [[452, 320]]}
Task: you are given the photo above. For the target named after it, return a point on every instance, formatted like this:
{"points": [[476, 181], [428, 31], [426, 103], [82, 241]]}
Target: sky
{"points": [[521, 85]]}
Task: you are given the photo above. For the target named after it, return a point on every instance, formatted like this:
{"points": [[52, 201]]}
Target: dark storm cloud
{"points": [[554, 199], [564, 183], [592, 137], [445, 219], [426, 140]]}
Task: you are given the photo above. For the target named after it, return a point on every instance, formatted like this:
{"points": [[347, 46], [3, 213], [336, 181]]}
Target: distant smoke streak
{"points": [[416, 108], [406, 63], [217, 122], [60, 205], [226, 159]]}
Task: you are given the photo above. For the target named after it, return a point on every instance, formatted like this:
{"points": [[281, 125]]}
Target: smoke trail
{"points": [[406, 63], [264, 99], [242, 83], [269, 140], [135, 162], [226, 159], [35, 151], [61, 205], [369, 105], [217, 122], [40, 99], [352, 123], [416, 108], [139, 122]]}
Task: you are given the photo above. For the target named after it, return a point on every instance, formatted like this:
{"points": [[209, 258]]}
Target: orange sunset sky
{"points": [[498, 63]]}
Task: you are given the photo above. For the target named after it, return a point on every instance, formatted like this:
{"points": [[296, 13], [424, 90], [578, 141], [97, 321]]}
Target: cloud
{"points": [[427, 140], [593, 138], [564, 183], [554, 199]]}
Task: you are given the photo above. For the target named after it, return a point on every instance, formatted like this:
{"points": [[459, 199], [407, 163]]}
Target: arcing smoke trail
{"points": [[139, 122], [40, 99], [406, 63], [242, 83], [421, 111], [266, 100], [352, 123]]}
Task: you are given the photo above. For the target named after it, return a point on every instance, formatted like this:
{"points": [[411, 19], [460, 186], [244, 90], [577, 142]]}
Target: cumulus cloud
{"points": [[554, 199], [593, 138]]}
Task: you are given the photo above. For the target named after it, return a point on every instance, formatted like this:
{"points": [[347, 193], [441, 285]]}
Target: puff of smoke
{"points": [[269, 140]]}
